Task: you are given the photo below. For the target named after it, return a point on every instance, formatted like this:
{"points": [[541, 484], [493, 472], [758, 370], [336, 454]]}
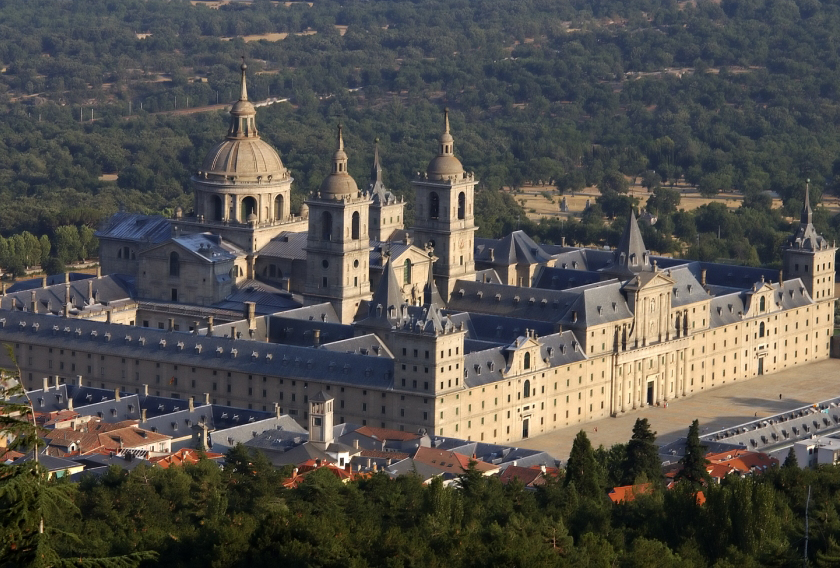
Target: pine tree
{"points": [[642, 455], [694, 462], [29, 501], [790, 460], [582, 469]]}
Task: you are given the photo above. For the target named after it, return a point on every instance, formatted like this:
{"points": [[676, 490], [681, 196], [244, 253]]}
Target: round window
{"points": [[355, 264], [325, 263]]}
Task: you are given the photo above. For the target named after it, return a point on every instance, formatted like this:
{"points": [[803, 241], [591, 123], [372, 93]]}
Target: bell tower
{"points": [[337, 245], [809, 257], [444, 219]]}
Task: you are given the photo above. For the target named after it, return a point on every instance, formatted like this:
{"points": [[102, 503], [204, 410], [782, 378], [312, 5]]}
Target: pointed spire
{"points": [[431, 294], [243, 88], [631, 253], [340, 156], [807, 214], [243, 114], [376, 170], [446, 120], [387, 299]]}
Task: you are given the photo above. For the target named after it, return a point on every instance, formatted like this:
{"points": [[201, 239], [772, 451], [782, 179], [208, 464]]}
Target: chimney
{"points": [[356, 444], [250, 313], [108, 315], [703, 277], [78, 380], [492, 255], [374, 467], [277, 410], [44, 281], [171, 324], [146, 390], [562, 241], [143, 415], [207, 398], [67, 277], [316, 337], [542, 469], [209, 326], [781, 277], [117, 395], [46, 384], [195, 327], [294, 472], [90, 290], [33, 302], [191, 403], [99, 272], [66, 292], [407, 239], [69, 403]]}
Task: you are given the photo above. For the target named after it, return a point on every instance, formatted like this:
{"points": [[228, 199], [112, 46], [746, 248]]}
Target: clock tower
{"points": [[444, 219]]}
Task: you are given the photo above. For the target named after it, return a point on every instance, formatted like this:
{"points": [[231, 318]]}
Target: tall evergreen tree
{"points": [[790, 460], [642, 455], [694, 462], [582, 469]]}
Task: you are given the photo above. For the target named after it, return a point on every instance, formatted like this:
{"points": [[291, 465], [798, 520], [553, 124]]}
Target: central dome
{"points": [[248, 158], [242, 154]]}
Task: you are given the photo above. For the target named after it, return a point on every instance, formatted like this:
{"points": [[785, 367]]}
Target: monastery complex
{"points": [[423, 329]]}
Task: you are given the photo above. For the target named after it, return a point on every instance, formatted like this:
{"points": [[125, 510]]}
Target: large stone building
{"points": [[422, 329]]}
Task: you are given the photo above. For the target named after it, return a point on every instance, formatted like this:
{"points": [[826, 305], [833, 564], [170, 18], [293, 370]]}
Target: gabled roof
{"points": [[597, 305], [287, 245], [515, 248], [152, 229], [450, 462], [627, 493]]}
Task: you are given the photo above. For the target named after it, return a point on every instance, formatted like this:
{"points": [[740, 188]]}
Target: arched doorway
{"points": [[248, 206]]}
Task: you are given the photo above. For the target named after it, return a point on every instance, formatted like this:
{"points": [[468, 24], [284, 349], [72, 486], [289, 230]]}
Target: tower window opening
{"points": [[326, 226], [462, 203], [355, 225], [434, 206], [278, 208]]}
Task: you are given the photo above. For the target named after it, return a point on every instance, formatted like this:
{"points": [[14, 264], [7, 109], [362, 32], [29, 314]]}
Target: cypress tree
{"points": [[694, 462]]}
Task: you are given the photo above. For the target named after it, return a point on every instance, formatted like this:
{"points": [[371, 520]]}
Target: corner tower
{"points": [[337, 246], [444, 219], [809, 257]]}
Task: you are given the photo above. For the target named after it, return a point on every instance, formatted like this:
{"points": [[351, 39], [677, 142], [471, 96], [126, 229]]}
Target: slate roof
{"points": [[485, 367], [209, 247], [515, 248], [152, 229], [108, 291], [368, 344], [282, 427], [288, 245], [687, 289], [268, 299], [597, 305], [53, 279], [631, 255], [185, 349], [385, 308], [511, 301], [806, 236], [552, 278], [498, 329]]}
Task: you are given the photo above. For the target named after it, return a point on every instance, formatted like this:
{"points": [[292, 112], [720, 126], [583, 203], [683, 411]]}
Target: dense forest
{"points": [[719, 95], [203, 516]]}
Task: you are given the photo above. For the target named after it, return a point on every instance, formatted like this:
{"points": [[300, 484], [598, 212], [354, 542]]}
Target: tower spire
{"points": [[446, 120], [376, 170], [340, 156], [807, 214], [447, 143], [243, 88]]}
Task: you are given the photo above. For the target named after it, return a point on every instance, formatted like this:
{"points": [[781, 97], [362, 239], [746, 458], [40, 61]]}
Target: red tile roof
{"points": [[387, 434], [627, 493], [742, 462], [450, 461], [311, 465], [384, 455], [183, 456], [528, 476]]}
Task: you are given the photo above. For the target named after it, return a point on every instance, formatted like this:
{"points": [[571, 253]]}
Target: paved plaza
{"points": [[716, 409]]}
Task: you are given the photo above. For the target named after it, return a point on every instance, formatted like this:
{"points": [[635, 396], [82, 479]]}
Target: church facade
{"points": [[428, 328]]}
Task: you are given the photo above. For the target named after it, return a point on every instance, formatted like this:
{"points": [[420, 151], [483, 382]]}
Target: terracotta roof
{"points": [[451, 462], [742, 462], [627, 493], [530, 477], [386, 434], [309, 466], [183, 456]]}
